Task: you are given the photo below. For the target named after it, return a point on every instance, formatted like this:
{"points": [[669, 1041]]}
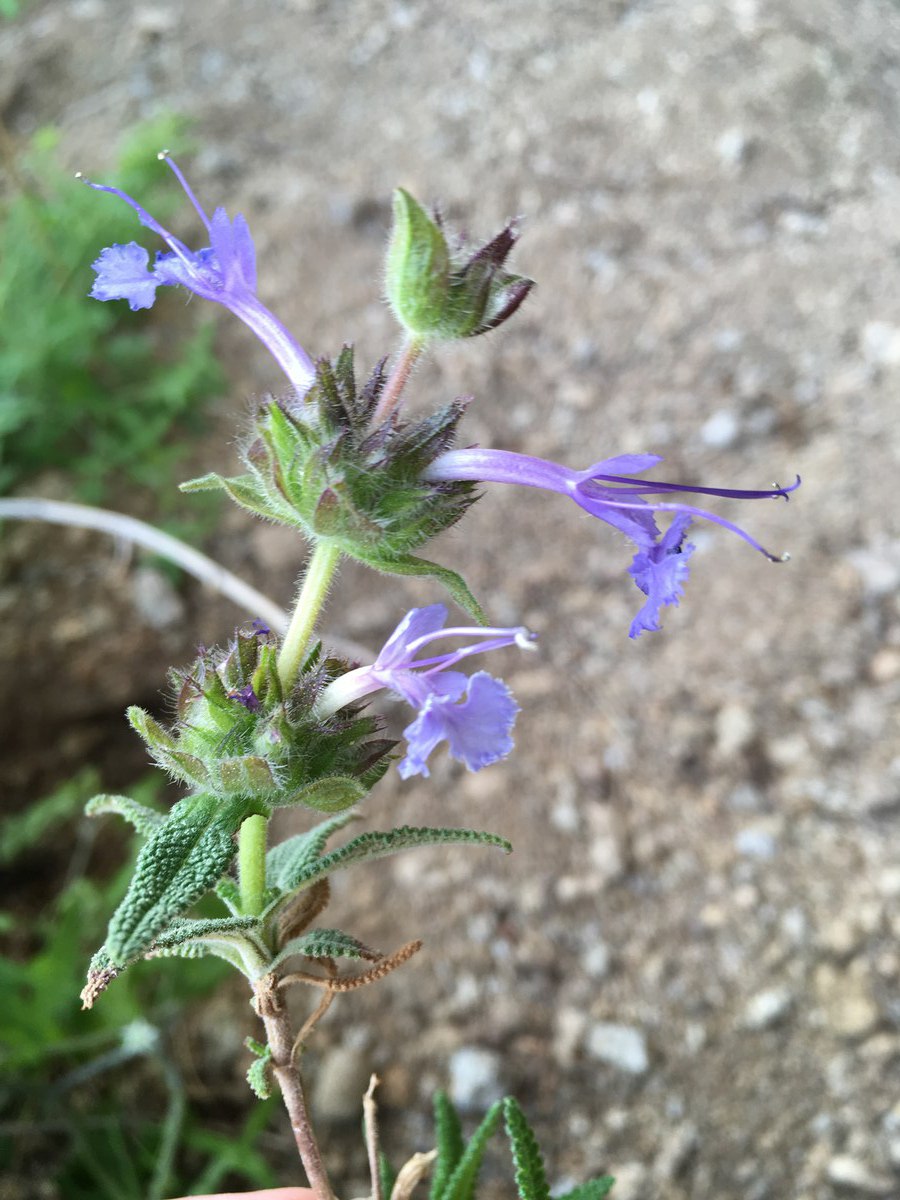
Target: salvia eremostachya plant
{"points": [[271, 721]]}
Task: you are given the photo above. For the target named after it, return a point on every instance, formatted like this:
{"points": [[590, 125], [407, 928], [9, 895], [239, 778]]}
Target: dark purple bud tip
{"points": [[497, 250], [247, 697], [260, 628]]}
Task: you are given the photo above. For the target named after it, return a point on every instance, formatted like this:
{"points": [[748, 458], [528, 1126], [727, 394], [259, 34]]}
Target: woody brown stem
{"points": [[272, 1009]]}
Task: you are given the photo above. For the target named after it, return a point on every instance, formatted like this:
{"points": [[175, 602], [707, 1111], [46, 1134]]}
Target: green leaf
{"points": [[286, 859], [417, 267], [181, 861], [258, 1075], [324, 943], [243, 490], [531, 1178], [380, 843], [181, 930], [145, 820], [203, 483], [333, 794], [461, 1184], [230, 894], [593, 1189], [448, 1136], [387, 1176], [408, 564]]}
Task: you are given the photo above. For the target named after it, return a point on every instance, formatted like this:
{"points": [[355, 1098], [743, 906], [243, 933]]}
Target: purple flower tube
{"points": [[473, 714], [224, 271], [605, 490]]}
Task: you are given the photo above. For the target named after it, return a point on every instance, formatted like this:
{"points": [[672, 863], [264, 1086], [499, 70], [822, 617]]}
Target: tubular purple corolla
{"points": [[474, 714], [224, 272]]}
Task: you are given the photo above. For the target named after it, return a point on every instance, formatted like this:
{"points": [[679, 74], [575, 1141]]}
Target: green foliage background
{"points": [[62, 1113], [84, 386]]}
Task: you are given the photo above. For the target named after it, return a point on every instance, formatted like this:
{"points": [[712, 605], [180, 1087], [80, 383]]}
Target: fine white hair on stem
{"points": [[119, 525]]}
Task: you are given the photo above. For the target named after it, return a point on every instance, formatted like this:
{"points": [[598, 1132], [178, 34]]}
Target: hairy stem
{"points": [[400, 373], [316, 582], [271, 1006], [252, 864]]}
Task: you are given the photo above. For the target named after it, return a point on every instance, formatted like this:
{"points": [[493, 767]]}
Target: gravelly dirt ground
{"points": [[705, 821]]}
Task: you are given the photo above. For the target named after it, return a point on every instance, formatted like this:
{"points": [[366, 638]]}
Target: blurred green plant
{"points": [[455, 1163], [61, 1106], [81, 388]]}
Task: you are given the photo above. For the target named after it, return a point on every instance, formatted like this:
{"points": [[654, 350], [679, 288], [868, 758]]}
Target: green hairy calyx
{"points": [[319, 466]]}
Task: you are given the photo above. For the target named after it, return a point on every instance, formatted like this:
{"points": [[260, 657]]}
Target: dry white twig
{"points": [[118, 525]]}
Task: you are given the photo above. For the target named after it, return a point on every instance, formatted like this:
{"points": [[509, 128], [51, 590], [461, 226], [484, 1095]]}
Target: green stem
{"points": [[409, 355], [316, 582], [252, 864]]}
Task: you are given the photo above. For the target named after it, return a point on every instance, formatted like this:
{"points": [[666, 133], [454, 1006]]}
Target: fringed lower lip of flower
{"points": [[223, 271], [473, 714], [605, 490]]}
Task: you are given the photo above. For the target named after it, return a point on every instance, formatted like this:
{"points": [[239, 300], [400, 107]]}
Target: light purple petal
{"points": [[123, 274], [196, 271], [234, 250], [636, 521], [477, 729], [417, 623], [660, 573], [622, 464]]}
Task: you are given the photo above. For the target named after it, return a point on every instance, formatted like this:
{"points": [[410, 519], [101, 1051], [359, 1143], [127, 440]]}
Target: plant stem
{"points": [[316, 582], [270, 1005], [252, 864], [400, 373]]}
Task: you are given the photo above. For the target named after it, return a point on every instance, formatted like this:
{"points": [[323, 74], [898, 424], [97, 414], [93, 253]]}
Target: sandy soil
{"points": [[705, 821]]}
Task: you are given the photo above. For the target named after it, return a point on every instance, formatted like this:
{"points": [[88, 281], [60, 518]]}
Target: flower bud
{"points": [[439, 291]]}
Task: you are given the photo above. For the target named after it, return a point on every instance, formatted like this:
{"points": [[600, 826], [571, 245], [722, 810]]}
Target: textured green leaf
{"points": [[243, 489], [409, 564], [378, 844], [593, 1189], [461, 1184], [324, 943], [151, 731], [145, 820], [387, 1176], [448, 1136], [181, 930], [333, 794], [287, 859], [182, 860], [531, 1178], [203, 483], [258, 1075]]}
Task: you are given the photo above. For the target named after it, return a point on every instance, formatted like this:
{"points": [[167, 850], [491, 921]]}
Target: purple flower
{"points": [[247, 697], [473, 714], [223, 271], [605, 490]]}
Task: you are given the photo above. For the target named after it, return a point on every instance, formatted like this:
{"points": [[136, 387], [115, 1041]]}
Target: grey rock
{"points": [[847, 1003], [340, 1084], [596, 960], [720, 430], [676, 1152], [475, 1078], [155, 599], [767, 1008], [853, 1176], [756, 842], [621, 1046]]}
